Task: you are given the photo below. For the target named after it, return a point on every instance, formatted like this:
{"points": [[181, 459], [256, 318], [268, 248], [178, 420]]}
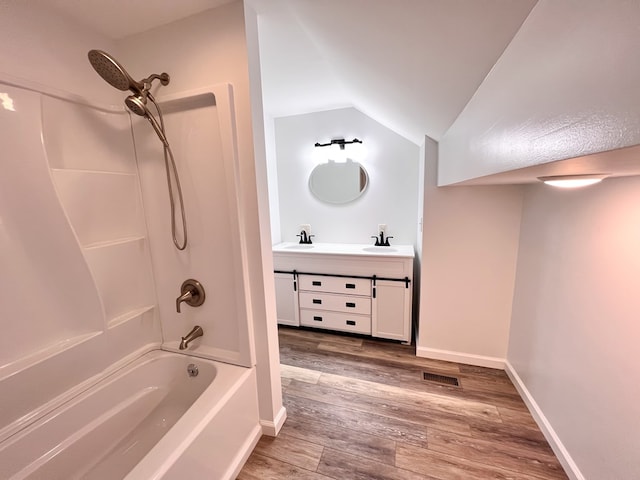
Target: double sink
{"points": [[346, 249]]}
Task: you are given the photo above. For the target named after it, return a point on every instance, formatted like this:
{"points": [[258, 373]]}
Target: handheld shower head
{"points": [[137, 104], [112, 72]]}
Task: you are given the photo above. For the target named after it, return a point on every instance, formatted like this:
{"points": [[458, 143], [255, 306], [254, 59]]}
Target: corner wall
{"points": [[468, 265], [574, 331]]}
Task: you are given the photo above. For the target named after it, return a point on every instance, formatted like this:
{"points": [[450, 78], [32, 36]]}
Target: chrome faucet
{"points": [[191, 336]]}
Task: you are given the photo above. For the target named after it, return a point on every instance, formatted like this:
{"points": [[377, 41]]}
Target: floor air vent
{"points": [[443, 379]]}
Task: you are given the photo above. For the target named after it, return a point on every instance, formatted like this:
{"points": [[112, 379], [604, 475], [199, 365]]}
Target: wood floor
{"points": [[359, 408]]}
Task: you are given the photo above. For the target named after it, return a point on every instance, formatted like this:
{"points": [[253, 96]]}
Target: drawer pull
{"points": [[349, 285], [316, 283], [317, 319], [317, 300], [351, 322], [351, 304]]}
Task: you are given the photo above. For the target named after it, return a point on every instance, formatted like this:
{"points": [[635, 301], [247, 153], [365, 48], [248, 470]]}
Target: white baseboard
{"points": [[458, 357], [570, 467], [272, 428], [244, 453]]}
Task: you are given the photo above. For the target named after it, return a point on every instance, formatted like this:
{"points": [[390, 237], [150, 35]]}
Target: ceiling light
{"points": [[341, 142], [337, 152], [572, 181]]}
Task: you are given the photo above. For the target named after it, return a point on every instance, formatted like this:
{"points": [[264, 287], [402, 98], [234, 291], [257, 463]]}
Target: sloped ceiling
{"points": [[410, 64]]}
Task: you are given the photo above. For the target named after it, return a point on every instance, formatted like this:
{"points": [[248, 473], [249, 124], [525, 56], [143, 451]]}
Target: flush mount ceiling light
{"points": [[573, 181]]}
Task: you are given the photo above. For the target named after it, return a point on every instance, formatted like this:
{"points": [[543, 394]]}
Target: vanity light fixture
{"points": [[341, 142], [573, 181]]}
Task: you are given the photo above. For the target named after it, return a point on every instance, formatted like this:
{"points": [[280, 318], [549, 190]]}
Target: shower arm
{"points": [[146, 82]]}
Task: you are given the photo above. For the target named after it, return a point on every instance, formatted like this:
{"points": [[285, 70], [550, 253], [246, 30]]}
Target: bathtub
{"points": [[149, 420]]}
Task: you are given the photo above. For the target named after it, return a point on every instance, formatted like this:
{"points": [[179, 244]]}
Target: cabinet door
{"points": [[391, 311], [286, 300]]}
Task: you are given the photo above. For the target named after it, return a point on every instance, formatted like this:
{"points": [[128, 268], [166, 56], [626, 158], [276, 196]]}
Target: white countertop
{"points": [[345, 249]]}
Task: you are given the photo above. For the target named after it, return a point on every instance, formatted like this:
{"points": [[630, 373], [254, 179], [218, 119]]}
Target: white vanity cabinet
{"points": [[336, 303], [350, 288], [287, 300]]}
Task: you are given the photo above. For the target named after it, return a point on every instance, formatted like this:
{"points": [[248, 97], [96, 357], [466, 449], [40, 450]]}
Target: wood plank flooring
{"points": [[359, 409]]}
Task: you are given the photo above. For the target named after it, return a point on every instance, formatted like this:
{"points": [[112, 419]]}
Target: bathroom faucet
{"points": [[191, 336], [381, 241], [304, 238]]}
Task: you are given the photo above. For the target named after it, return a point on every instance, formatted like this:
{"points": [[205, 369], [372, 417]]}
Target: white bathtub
{"points": [[149, 420]]}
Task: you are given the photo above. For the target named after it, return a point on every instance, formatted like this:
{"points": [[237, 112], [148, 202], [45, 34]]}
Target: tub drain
{"points": [[192, 370]]}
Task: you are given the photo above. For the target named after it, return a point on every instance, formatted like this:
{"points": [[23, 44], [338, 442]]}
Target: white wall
{"points": [[41, 46], [205, 49], [392, 165], [566, 86], [272, 412], [574, 332], [272, 179], [469, 252]]}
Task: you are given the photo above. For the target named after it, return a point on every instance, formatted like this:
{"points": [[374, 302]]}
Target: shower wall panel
{"points": [[96, 177], [200, 129], [78, 295], [47, 294]]}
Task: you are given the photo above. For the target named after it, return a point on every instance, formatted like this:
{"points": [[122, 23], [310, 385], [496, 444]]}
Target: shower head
{"points": [[137, 104], [116, 76], [112, 72]]}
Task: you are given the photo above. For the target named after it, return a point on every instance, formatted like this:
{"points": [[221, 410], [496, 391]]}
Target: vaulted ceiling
{"points": [[412, 65]]}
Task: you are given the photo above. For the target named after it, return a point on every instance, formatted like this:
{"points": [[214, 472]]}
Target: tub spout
{"points": [[192, 335]]}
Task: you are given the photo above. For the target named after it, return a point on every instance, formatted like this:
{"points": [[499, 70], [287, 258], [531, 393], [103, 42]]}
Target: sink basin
{"points": [[299, 247], [379, 249]]}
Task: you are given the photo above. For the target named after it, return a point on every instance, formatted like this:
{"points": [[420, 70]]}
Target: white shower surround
{"points": [[106, 320]]}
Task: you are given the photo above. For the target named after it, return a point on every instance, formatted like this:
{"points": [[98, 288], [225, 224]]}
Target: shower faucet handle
{"points": [[191, 293]]}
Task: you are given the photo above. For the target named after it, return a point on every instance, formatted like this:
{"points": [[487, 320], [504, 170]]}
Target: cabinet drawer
{"points": [[336, 321], [348, 286], [336, 303]]}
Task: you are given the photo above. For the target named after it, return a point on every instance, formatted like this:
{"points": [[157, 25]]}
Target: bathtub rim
{"points": [[225, 383], [59, 401]]}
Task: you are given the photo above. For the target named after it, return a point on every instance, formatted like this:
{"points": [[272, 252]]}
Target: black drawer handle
{"points": [[349, 285], [317, 319], [317, 300], [351, 305], [351, 322], [316, 283]]}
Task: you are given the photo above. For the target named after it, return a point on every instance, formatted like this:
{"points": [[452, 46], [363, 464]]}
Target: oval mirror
{"points": [[338, 182]]}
